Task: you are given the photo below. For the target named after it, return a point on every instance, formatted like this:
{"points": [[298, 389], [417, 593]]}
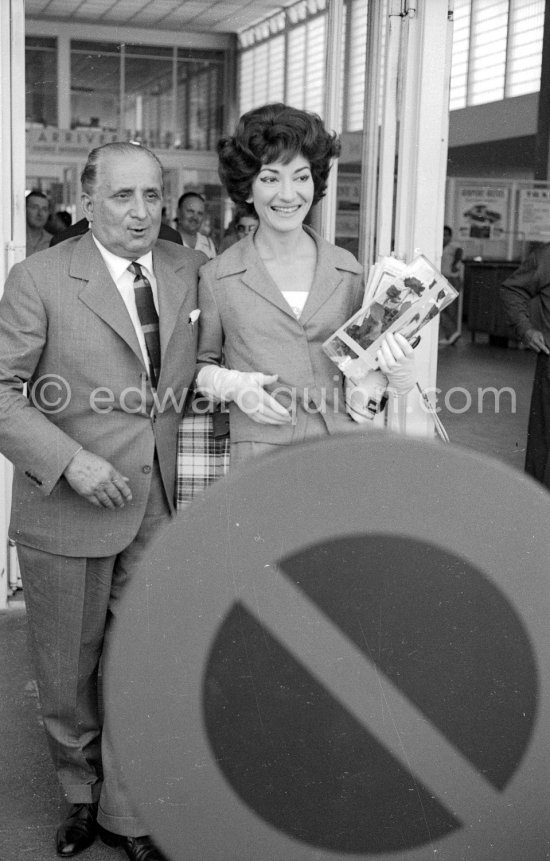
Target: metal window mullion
{"points": [[305, 64], [268, 69], [230, 94], [12, 219], [121, 93], [189, 84], [174, 121], [210, 87], [371, 136], [420, 189], [63, 54], [254, 76], [388, 138], [285, 60], [347, 65], [332, 96], [508, 49], [469, 60]]}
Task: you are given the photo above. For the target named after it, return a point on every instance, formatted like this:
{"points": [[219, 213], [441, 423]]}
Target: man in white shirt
{"points": [[37, 210], [107, 355], [191, 212]]}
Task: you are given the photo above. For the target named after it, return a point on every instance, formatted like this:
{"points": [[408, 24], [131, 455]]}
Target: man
{"points": [[94, 450], [191, 211], [244, 221], [526, 299], [452, 268], [37, 211]]}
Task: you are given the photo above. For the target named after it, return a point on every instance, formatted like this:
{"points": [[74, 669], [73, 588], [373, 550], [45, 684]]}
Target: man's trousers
{"points": [[72, 603]]}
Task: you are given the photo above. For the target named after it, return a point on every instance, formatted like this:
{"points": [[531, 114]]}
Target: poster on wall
{"points": [[482, 212], [534, 214]]}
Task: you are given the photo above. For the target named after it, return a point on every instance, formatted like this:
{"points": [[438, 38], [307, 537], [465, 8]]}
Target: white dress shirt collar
{"points": [[117, 265]]}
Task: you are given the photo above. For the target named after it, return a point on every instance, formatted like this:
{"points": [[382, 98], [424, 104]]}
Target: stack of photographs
{"points": [[399, 297]]}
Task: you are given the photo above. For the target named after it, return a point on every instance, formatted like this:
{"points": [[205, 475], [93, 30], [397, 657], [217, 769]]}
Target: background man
{"points": [[244, 221], [37, 210], [94, 456], [191, 211], [452, 268], [526, 299]]}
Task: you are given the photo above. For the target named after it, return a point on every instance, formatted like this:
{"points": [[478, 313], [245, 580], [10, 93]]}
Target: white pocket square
{"points": [[194, 316]]}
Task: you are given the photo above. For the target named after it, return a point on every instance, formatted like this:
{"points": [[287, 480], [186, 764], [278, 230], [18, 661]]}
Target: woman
{"points": [[271, 300]]}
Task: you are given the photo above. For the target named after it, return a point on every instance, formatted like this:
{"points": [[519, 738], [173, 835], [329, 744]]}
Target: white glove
{"points": [[364, 396], [246, 390], [396, 360]]}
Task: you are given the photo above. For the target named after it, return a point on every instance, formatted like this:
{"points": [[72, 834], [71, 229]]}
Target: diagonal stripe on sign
{"points": [[330, 657]]}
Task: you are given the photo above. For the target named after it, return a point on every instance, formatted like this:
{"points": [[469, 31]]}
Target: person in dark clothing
{"points": [[80, 227], [526, 299], [58, 222]]}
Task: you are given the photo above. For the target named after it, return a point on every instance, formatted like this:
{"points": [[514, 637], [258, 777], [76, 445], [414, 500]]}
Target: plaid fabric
{"points": [[201, 457]]}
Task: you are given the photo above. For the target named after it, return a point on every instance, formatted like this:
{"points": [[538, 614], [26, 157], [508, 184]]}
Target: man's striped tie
{"points": [[148, 318]]}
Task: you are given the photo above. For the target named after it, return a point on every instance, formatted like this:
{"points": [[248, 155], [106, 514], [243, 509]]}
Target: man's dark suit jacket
{"points": [[82, 226]]}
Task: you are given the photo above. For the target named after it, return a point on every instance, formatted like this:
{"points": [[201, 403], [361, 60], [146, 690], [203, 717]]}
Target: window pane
{"points": [[461, 54], [488, 52], [215, 106], [246, 80], [95, 89], [148, 100], [524, 47], [315, 58], [261, 73], [355, 84], [199, 98], [41, 81], [296, 66], [199, 104], [276, 91]]}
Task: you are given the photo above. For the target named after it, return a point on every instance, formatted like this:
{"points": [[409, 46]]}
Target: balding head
{"points": [[122, 198]]}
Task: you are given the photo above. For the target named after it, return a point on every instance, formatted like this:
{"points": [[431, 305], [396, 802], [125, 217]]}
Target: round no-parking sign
{"points": [[342, 652]]}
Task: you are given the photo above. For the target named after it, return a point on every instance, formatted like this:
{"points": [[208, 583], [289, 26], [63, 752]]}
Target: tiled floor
{"points": [[468, 377], [29, 798], [30, 804]]}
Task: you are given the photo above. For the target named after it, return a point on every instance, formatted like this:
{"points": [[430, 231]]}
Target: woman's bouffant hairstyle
{"points": [[273, 133]]}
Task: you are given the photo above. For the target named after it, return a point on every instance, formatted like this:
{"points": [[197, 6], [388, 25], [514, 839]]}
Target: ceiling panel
{"points": [[196, 15]]}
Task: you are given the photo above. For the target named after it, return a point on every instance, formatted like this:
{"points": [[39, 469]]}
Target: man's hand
{"points": [[96, 480], [534, 339]]}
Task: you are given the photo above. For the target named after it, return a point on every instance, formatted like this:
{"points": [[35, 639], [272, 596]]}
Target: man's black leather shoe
{"points": [[136, 848], [78, 831]]}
